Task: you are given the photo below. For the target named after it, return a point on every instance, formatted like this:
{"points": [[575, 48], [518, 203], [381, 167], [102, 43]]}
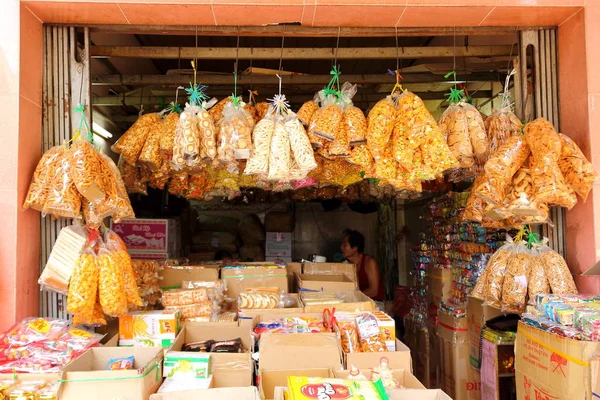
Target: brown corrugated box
{"points": [[440, 284], [352, 301], [347, 269], [248, 276], [237, 393], [171, 277], [325, 283]]}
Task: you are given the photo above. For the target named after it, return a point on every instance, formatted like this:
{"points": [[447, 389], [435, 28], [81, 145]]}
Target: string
{"points": [[195, 62], [397, 52], [235, 98], [141, 102], [281, 57], [337, 47], [80, 109]]}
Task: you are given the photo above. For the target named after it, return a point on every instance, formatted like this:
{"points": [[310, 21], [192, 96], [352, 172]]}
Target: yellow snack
{"points": [[167, 128], [208, 135], [186, 147], [380, 124], [111, 287], [131, 143], [454, 123], [306, 112], [86, 169], [44, 171], [83, 286], [577, 170], [150, 155]]}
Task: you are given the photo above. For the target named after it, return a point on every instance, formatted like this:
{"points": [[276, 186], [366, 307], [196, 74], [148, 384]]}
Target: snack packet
{"points": [[370, 335], [121, 363]]}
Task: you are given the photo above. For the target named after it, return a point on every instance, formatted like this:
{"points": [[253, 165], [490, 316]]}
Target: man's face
{"points": [[347, 250]]}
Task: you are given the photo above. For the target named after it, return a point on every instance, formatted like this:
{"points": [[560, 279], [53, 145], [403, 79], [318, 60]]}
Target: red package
{"points": [[32, 330]]}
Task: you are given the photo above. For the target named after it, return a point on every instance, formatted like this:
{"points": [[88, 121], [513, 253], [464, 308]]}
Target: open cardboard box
{"points": [[325, 283], [353, 300], [303, 354], [250, 314], [399, 359], [172, 276], [227, 369], [237, 393], [403, 376], [349, 270], [248, 275], [293, 269], [86, 377]]}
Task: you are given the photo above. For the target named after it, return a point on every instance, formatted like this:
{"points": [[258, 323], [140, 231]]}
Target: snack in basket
{"points": [[576, 169], [131, 143], [371, 339], [380, 124]]}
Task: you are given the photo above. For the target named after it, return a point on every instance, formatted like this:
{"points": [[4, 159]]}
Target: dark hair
{"points": [[222, 254], [356, 239]]}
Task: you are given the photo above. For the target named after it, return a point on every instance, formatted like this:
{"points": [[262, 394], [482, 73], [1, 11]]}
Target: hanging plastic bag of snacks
{"points": [[186, 147], [361, 156], [380, 124], [261, 110], [131, 143], [538, 281], [208, 135], [179, 184], [354, 125], [118, 249], [496, 271], [514, 288], [386, 167], [131, 177], [111, 287], [258, 163], [86, 170], [340, 146], [235, 135], [62, 198], [558, 273], [97, 319], [40, 182], [475, 208], [454, 123], [413, 121], [83, 286], [280, 161], [308, 109], [199, 185], [576, 169], [167, 129], [302, 151], [478, 291], [150, 155], [123, 205], [549, 185], [160, 177]]}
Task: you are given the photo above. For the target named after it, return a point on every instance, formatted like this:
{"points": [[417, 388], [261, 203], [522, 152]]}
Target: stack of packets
{"points": [[147, 280], [290, 325], [419, 292], [365, 332], [572, 316], [43, 345], [199, 302], [35, 389], [149, 328]]}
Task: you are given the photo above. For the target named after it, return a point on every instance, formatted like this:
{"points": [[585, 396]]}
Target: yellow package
{"points": [[301, 388]]}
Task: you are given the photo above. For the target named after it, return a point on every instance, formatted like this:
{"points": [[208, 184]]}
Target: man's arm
{"points": [[374, 277]]}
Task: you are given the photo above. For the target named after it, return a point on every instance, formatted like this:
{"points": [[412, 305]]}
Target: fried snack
{"points": [[261, 110], [414, 120], [478, 291], [131, 143], [62, 198], [380, 124], [83, 286], [129, 283], [40, 182], [538, 281], [371, 338], [258, 163], [306, 112], [150, 156], [340, 147], [436, 158], [252, 111], [179, 184], [216, 112], [186, 147], [354, 126], [280, 161], [111, 287], [131, 177], [558, 273], [495, 277], [167, 129], [361, 156], [576, 169], [160, 177], [548, 182], [514, 288], [257, 300], [349, 336], [85, 168], [235, 135], [208, 135], [385, 167], [325, 124], [501, 125], [477, 133], [454, 124], [503, 165], [199, 185], [475, 208], [302, 151], [97, 319], [123, 205]]}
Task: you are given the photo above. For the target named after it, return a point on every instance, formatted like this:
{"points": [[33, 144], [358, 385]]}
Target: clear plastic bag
{"points": [[383, 372], [371, 338], [349, 337], [111, 286], [496, 271], [503, 165], [119, 252], [123, 204], [354, 126], [131, 143], [326, 120], [235, 135], [454, 124], [261, 110], [62, 198], [302, 151], [500, 126], [478, 291], [186, 147], [380, 124], [208, 135], [576, 169], [167, 129], [306, 112], [258, 163], [179, 184], [97, 319], [280, 161], [475, 207], [83, 286], [85, 166], [558, 273], [40, 182], [548, 182], [433, 157], [538, 281], [514, 289], [131, 177], [413, 121]]}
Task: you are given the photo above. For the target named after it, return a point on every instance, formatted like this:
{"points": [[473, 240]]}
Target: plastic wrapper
{"points": [[349, 335], [514, 288], [122, 203], [354, 126], [167, 129], [196, 310], [548, 182], [558, 273], [131, 177], [380, 124], [386, 167], [186, 147], [62, 198], [261, 110], [131, 143], [478, 291], [179, 184], [413, 122], [258, 163], [33, 330], [356, 375], [183, 297], [383, 372], [97, 318], [119, 252], [322, 388], [235, 134], [496, 272], [475, 208], [371, 339], [503, 165], [432, 158], [454, 123], [306, 112], [259, 299], [280, 161], [199, 185], [83, 286], [160, 177], [300, 145], [42, 177], [538, 281], [501, 125], [326, 120], [111, 287], [576, 169], [208, 135], [361, 156], [150, 155], [86, 167]]}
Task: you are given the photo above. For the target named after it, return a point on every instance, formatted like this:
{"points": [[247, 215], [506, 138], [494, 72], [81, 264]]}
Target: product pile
{"points": [[199, 301], [147, 280], [34, 389]]}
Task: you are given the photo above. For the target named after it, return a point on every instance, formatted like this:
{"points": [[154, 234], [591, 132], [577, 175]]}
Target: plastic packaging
{"points": [[356, 375], [41, 181], [235, 135], [111, 287], [558, 273], [349, 337], [119, 252], [478, 291], [576, 169], [302, 151], [514, 289], [123, 208], [496, 272], [186, 147], [179, 184], [261, 110], [131, 143], [131, 177], [371, 339], [208, 135], [258, 163], [84, 286], [167, 129], [306, 112], [475, 208], [280, 161], [150, 155], [538, 281], [354, 126], [33, 330], [119, 364], [383, 372], [455, 126], [85, 166], [548, 182], [259, 299], [380, 124], [500, 126], [326, 120], [62, 200], [96, 320]]}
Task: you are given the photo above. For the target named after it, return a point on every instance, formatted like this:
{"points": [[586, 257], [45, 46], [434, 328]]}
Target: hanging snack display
{"points": [[576, 169], [235, 135], [258, 163], [167, 129], [380, 124], [325, 122], [131, 143], [306, 112]]}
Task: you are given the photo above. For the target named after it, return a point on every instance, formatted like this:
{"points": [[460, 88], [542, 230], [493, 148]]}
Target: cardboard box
{"points": [[325, 283], [250, 314], [477, 315], [171, 277], [435, 367], [416, 394], [153, 324], [151, 256], [417, 340], [296, 354], [240, 278], [171, 385], [278, 245], [458, 379], [148, 235], [237, 393], [145, 342], [440, 284], [353, 300], [347, 269], [227, 369], [186, 364], [293, 269], [549, 366], [451, 328], [86, 377], [403, 376], [399, 359]]}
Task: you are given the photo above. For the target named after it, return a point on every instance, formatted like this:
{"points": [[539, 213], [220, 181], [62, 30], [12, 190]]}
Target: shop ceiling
{"points": [[135, 67]]}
